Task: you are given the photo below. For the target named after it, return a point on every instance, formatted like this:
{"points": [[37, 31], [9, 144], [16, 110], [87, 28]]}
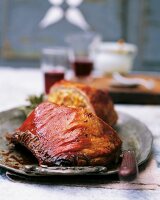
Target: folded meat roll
{"points": [[65, 136], [80, 95]]}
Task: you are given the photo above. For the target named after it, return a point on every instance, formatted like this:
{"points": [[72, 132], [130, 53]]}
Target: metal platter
{"points": [[134, 134]]}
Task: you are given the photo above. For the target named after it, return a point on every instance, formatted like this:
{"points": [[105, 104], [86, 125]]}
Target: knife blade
{"points": [[45, 170]]}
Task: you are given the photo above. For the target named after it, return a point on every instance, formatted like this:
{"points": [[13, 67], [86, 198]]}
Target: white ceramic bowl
{"points": [[110, 57]]}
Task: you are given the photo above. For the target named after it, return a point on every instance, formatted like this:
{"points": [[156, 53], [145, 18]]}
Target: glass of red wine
{"points": [[81, 58], [54, 63], [82, 66]]}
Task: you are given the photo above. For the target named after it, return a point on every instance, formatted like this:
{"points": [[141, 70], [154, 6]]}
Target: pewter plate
{"points": [[134, 134]]}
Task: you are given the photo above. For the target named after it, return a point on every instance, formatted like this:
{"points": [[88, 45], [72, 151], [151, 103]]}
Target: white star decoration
{"points": [[73, 15]]}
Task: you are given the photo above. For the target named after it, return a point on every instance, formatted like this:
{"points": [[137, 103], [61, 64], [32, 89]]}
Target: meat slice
{"points": [[80, 95], [59, 135]]}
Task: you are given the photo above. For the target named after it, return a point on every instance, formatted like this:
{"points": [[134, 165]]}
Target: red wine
{"points": [[82, 66], [51, 77]]}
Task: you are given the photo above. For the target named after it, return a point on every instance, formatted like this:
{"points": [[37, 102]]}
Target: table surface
{"points": [[15, 85]]}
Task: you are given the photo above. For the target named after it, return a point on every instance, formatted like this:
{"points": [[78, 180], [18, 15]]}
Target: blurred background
{"points": [[28, 26]]}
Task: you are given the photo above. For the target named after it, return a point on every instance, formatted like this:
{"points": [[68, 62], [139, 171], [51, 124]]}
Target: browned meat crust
{"points": [[96, 101], [59, 135]]}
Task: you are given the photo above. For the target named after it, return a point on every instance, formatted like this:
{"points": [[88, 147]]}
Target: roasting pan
{"points": [[134, 134]]}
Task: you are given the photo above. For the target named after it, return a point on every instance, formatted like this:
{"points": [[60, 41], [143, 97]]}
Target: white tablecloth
{"points": [[15, 85]]}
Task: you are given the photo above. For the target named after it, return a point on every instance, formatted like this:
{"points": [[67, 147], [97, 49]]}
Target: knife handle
{"points": [[128, 170]]}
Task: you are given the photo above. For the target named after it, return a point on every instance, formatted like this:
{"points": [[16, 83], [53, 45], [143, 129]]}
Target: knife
{"points": [[43, 170]]}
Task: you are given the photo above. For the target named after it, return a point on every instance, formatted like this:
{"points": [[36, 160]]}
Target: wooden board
{"points": [[137, 95]]}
